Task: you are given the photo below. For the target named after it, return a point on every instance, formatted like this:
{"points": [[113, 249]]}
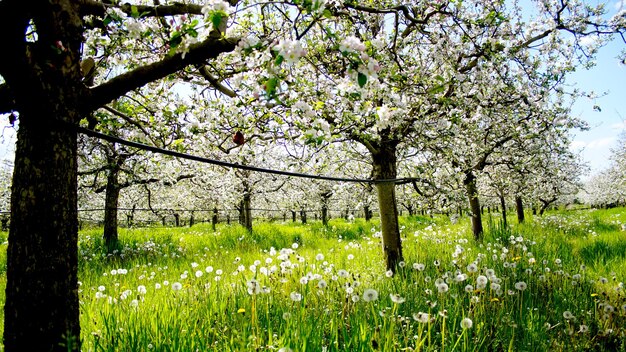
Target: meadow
{"points": [[553, 283]]}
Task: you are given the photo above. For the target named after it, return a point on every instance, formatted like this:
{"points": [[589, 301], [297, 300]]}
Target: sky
{"points": [[607, 79]]}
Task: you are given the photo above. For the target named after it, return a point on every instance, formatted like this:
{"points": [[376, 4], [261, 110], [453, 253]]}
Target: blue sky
{"points": [[608, 80]]}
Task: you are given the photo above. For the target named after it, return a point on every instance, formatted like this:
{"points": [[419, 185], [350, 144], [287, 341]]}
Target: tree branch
{"points": [[120, 85], [98, 8]]}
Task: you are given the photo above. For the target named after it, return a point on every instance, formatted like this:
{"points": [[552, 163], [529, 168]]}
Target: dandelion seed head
{"points": [[370, 295]]}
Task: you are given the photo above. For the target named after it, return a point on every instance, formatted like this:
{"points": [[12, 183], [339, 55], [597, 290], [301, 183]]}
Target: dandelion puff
{"points": [[568, 315], [466, 323], [177, 286], [322, 284], [469, 288], [442, 287], [421, 317], [141, 289], [521, 286], [419, 266], [343, 273], [370, 295], [101, 288], [295, 296], [388, 273], [396, 298]]}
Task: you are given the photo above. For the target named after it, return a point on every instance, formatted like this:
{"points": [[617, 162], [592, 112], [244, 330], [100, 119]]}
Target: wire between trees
{"points": [[149, 148]]}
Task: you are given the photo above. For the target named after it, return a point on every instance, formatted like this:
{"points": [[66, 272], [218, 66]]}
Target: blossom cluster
{"points": [[290, 50]]}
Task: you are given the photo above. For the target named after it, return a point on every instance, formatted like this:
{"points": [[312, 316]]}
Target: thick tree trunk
{"points": [[519, 207], [41, 308], [110, 209], [503, 205], [293, 216], [41, 311], [384, 167], [474, 203]]}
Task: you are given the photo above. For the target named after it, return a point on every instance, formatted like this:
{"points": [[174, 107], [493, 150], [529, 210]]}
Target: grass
{"points": [[553, 283]]}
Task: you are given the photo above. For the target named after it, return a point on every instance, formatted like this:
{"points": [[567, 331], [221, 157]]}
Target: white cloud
{"points": [[596, 144], [600, 143], [620, 5], [619, 126]]}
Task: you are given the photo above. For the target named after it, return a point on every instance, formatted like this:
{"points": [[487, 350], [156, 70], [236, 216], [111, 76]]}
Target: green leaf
{"points": [[279, 60], [362, 79], [270, 87], [134, 12], [176, 39], [216, 19], [437, 89]]}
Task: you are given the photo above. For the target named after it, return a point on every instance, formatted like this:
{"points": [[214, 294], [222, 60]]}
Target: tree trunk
{"points": [[368, 213], [214, 219], [384, 167], [303, 216], [41, 309], [503, 205], [324, 214], [110, 209], [293, 216], [245, 213], [474, 203], [519, 207]]}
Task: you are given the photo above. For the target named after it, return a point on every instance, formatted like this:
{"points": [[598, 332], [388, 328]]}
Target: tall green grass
{"points": [[553, 283]]}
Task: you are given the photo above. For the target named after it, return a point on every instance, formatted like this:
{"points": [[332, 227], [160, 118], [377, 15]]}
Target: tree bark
{"points": [[474, 203], [214, 219], [384, 167], [110, 208], [303, 216], [245, 213], [503, 206], [368, 213], [41, 311], [324, 214], [519, 207]]}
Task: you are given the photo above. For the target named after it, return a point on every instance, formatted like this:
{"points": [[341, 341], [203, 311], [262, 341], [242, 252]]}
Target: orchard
{"points": [[222, 175]]}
